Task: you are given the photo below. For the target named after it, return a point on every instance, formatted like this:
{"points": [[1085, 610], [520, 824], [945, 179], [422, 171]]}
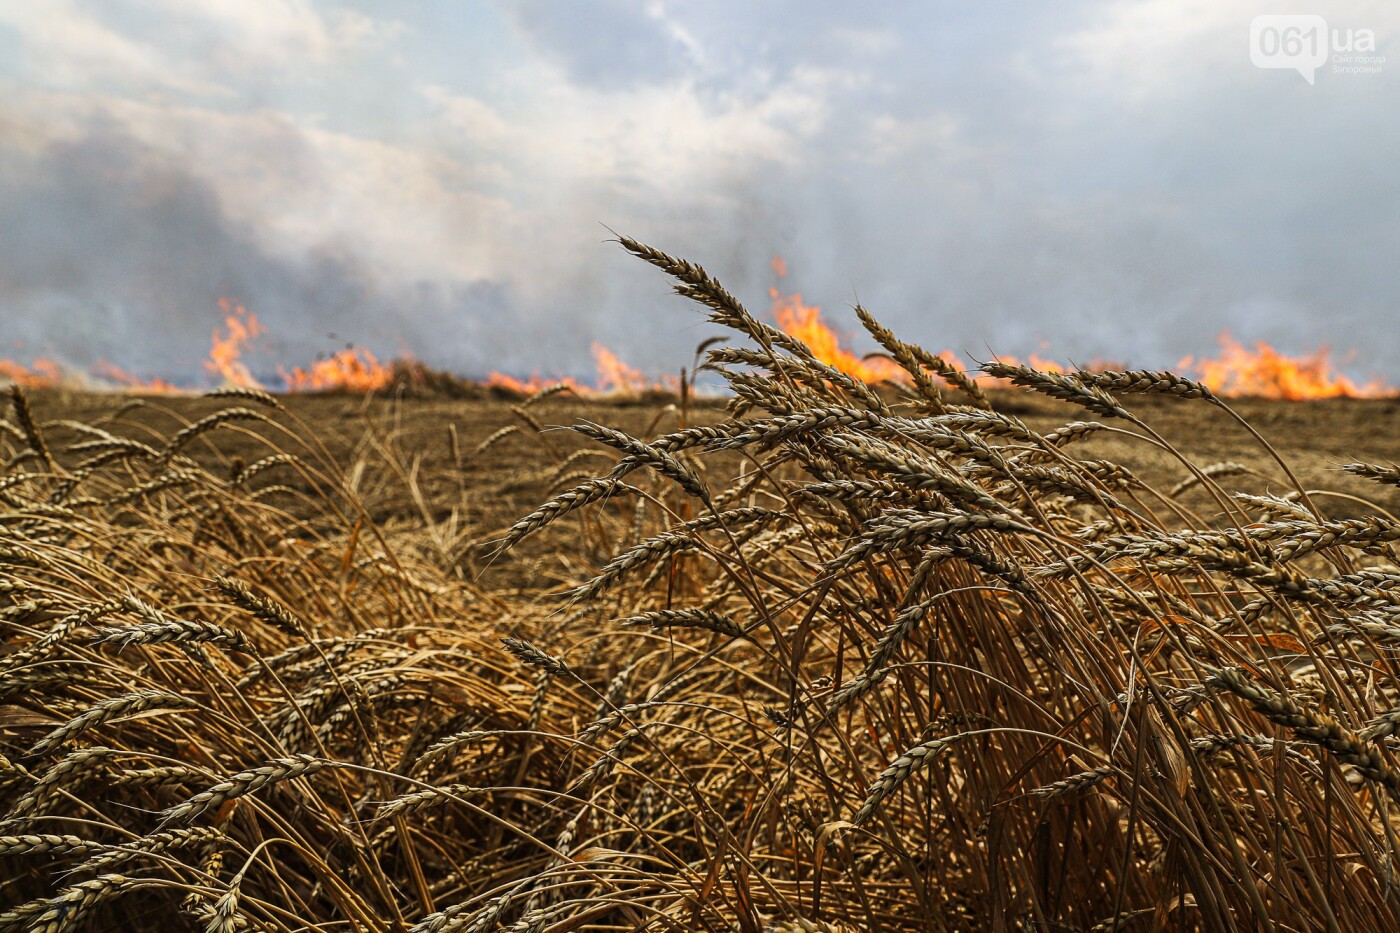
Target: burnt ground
{"points": [[437, 475]]}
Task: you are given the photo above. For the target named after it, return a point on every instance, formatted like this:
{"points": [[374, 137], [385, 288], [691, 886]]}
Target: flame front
{"points": [[115, 375], [353, 369], [1236, 371], [615, 376], [1267, 373], [535, 383], [226, 350], [803, 321], [39, 373]]}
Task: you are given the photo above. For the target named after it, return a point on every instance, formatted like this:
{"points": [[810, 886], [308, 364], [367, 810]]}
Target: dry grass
{"points": [[859, 659]]}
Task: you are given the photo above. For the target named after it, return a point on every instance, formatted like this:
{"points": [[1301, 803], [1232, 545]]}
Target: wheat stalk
{"points": [[244, 783]]}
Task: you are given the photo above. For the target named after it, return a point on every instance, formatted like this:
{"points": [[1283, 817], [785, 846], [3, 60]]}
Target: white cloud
{"points": [[200, 48], [408, 213], [265, 33], [472, 119], [641, 139], [1140, 50], [676, 30], [938, 136], [66, 46]]}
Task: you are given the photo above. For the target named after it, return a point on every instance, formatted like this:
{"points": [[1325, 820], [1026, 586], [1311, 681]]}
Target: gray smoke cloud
{"points": [[1096, 180], [114, 253]]}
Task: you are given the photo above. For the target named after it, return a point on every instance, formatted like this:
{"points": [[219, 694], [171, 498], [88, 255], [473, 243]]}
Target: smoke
{"points": [[1100, 180], [117, 252]]}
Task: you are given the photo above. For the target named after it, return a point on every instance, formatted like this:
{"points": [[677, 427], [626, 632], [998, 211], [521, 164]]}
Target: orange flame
{"points": [[1262, 372], [535, 383], [614, 377], [39, 373], [114, 375], [353, 369], [804, 321], [1267, 373], [225, 351]]}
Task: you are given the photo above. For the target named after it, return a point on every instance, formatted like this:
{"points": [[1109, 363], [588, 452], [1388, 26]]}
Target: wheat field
{"points": [[825, 656]]}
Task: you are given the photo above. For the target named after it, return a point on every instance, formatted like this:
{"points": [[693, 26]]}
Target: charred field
{"points": [[1102, 652]]}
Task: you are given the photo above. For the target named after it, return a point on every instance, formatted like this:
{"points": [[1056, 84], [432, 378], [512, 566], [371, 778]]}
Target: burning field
{"points": [[861, 642], [1235, 371]]}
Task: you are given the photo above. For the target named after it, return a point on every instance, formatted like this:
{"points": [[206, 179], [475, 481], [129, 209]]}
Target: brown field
{"points": [[474, 495], [861, 659]]}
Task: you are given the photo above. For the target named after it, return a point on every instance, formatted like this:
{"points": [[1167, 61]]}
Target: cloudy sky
{"points": [[437, 177]]}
